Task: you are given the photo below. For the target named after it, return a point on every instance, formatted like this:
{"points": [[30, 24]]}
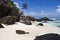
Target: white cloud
{"points": [[42, 13], [29, 13], [17, 4], [58, 9], [58, 6]]}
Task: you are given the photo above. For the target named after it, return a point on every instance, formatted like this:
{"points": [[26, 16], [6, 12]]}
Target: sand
{"points": [[9, 32]]}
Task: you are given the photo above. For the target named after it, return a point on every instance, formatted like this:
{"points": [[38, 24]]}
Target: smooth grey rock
{"points": [[50, 36], [21, 32]]}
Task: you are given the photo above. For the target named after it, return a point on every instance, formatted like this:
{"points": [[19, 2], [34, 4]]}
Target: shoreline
{"points": [[9, 32]]}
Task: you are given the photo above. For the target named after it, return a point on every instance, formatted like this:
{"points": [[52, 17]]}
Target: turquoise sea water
{"points": [[55, 22]]}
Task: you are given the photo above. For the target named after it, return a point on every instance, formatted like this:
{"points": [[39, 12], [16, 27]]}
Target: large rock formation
{"points": [[27, 18], [44, 19], [50, 36], [4, 7], [8, 8], [3, 10], [8, 20], [30, 18]]}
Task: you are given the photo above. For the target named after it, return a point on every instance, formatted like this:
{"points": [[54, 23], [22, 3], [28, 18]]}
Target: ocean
{"points": [[55, 22]]}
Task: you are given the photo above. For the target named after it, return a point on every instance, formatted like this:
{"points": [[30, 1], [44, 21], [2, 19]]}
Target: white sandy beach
{"points": [[9, 32]]}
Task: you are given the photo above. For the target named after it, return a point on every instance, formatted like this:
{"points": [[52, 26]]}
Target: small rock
{"points": [[40, 24], [58, 26], [21, 32], [50, 36], [1, 26], [27, 22]]}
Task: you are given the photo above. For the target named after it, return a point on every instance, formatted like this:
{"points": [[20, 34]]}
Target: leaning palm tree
{"points": [[24, 6]]}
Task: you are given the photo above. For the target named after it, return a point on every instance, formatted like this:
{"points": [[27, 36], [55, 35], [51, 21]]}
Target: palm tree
{"points": [[24, 6]]}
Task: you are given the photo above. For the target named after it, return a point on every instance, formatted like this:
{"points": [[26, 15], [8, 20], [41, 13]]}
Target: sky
{"points": [[40, 8]]}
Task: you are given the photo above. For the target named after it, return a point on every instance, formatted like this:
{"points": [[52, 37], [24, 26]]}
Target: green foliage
{"points": [[13, 5]]}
